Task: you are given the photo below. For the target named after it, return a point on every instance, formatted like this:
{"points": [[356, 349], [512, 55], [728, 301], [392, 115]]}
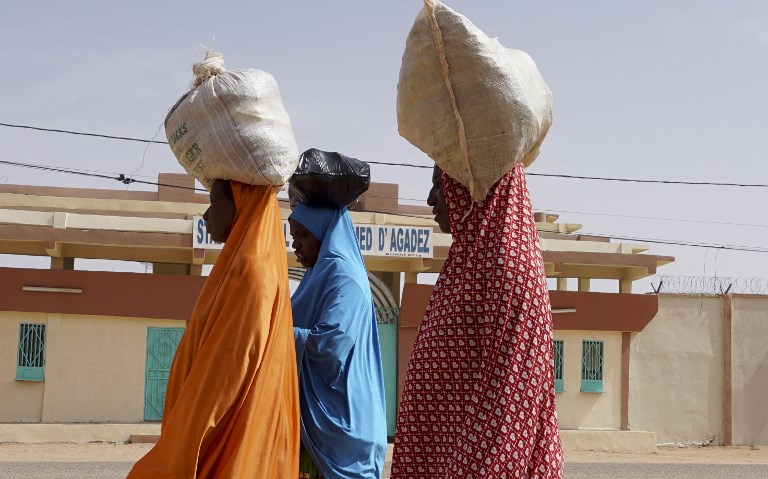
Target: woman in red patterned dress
{"points": [[479, 397]]}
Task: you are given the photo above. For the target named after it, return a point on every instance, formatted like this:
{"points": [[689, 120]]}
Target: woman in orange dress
{"points": [[231, 407]]}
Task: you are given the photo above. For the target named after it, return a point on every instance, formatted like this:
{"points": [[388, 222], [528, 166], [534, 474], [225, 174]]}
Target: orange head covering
{"points": [[231, 407]]}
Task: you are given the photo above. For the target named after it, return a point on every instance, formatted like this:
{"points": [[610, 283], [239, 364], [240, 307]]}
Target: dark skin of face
{"points": [[436, 199], [220, 216], [306, 246]]}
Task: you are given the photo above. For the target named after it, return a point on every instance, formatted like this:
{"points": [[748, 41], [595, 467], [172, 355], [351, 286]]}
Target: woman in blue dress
{"points": [[341, 385]]}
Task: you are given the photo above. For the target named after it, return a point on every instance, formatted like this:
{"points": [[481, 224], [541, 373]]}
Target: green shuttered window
{"points": [[30, 364], [161, 348], [559, 344], [592, 367]]}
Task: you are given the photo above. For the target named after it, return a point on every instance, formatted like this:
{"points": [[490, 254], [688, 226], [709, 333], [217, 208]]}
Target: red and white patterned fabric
{"points": [[479, 397]]}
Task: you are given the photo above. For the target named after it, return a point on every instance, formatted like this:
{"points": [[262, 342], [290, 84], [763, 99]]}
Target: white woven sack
{"points": [[232, 126], [474, 106]]}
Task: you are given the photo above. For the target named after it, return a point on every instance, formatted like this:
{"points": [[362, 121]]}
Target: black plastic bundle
{"points": [[328, 180]]}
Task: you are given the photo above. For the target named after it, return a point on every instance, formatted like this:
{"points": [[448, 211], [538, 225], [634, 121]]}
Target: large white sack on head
{"points": [[474, 106], [233, 126]]}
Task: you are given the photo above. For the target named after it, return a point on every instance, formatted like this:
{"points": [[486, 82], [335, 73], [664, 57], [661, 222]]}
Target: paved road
{"points": [[665, 471], [114, 470], [64, 470]]}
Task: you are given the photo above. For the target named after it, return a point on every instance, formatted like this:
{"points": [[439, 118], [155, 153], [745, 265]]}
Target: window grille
{"points": [[592, 367], [387, 315], [30, 364], [559, 346]]}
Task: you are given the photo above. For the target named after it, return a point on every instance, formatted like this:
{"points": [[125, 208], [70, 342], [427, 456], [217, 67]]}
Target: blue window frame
{"points": [[592, 360], [559, 346], [30, 356]]}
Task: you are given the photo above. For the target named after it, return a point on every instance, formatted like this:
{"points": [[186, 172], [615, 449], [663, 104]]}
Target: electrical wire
{"points": [[656, 218], [662, 182], [727, 247], [120, 177], [411, 165], [70, 132], [123, 179]]}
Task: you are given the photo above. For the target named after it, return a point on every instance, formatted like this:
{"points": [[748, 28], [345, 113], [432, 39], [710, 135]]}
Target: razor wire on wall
{"points": [[709, 285]]}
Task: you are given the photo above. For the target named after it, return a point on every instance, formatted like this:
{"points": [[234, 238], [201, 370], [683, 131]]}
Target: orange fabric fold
{"points": [[231, 406]]}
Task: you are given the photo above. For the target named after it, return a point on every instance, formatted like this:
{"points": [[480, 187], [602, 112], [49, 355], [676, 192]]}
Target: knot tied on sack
{"points": [[212, 65]]}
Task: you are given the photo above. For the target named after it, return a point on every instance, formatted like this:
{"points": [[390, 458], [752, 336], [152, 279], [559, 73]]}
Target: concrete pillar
{"points": [[52, 368], [176, 187], [171, 268], [393, 282], [584, 284], [397, 286], [625, 286], [626, 341], [62, 263], [727, 370], [562, 284]]}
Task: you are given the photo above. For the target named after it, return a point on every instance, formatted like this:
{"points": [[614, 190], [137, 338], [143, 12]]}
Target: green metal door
{"points": [[161, 347], [386, 319]]}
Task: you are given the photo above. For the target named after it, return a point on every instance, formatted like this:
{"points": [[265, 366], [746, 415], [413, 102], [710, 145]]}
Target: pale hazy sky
{"points": [[657, 89]]}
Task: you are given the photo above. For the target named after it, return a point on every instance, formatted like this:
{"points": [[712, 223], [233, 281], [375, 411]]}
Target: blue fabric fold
{"points": [[341, 384]]}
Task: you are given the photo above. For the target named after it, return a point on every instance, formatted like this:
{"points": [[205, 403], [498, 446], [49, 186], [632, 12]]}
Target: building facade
{"points": [[95, 347]]}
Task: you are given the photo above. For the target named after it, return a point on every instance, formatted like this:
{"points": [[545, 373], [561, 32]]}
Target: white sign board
{"points": [[402, 241], [374, 240]]}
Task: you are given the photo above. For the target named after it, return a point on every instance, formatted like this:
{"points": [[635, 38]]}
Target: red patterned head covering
{"points": [[479, 395]]}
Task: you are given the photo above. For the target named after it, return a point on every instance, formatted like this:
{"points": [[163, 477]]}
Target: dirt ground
{"points": [[119, 452]]}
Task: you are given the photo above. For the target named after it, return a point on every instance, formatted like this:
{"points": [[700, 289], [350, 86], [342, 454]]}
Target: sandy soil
{"points": [[118, 452]]}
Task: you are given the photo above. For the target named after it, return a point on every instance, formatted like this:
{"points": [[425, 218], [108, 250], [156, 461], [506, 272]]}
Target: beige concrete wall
{"points": [[20, 401], [101, 369], [94, 369], [750, 370], [578, 410], [676, 372]]}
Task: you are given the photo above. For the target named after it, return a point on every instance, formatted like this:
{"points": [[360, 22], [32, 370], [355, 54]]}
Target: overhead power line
{"points": [[656, 218], [122, 178], [412, 165], [611, 215], [125, 180], [752, 249], [69, 132], [662, 182]]}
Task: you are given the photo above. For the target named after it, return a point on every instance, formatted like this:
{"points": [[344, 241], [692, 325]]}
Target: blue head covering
{"points": [[343, 421]]}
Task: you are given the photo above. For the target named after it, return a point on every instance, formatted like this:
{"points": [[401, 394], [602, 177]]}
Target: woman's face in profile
{"points": [[436, 199], [306, 246], [220, 216]]}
